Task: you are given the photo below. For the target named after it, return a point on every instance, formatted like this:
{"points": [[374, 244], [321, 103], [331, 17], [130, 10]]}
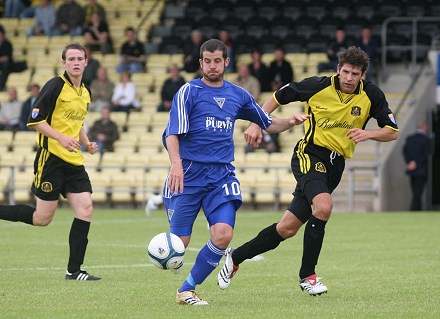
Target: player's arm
{"points": [[253, 134], [281, 125], [175, 177], [68, 142], [384, 134]]}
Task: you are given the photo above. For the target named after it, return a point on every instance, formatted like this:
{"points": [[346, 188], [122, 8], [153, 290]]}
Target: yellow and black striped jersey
{"points": [[64, 107], [334, 112]]}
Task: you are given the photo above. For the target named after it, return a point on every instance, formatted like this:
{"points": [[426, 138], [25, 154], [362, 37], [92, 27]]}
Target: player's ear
{"points": [[227, 61]]}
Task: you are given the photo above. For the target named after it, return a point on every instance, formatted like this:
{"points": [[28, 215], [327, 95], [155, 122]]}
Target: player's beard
{"points": [[214, 78]]}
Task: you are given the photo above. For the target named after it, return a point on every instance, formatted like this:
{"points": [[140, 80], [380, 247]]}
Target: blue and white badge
{"points": [[35, 113]]}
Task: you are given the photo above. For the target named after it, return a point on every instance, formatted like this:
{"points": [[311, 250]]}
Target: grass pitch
{"points": [[376, 265]]}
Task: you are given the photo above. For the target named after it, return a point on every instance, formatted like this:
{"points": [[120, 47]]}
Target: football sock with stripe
{"points": [[313, 238], [78, 244], [266, 240], [206, 261], [17, 213]]}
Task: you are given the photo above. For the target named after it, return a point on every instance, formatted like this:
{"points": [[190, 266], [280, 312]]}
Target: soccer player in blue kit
{"points": [[199, 141]]}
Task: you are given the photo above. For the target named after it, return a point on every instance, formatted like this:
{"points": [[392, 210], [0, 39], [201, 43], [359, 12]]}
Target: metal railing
{"points": [[412, 47], [140, 193]]}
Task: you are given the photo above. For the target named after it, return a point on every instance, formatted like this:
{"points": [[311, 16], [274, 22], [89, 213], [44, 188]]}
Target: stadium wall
{"points": [[394, 187]]}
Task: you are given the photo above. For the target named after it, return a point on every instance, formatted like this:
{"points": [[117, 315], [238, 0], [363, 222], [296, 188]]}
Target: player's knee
{"points": [[222, 237], [323, 210], [41, 220], [85, 213]]}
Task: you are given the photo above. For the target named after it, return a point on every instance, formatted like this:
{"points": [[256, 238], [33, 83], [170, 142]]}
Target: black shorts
{"points": [[317, 171], [54, 176]]}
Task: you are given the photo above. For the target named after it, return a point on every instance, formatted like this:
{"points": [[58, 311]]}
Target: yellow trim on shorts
{"points": [[304, 159], [44, 155]]}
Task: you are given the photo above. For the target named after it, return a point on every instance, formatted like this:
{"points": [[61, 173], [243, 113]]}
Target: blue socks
{"points": [[207, 260]]}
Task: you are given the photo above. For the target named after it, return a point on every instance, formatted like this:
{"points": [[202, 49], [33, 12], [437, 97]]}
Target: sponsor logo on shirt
{"points": [[328, 123], [214, 124], [74, 115]]}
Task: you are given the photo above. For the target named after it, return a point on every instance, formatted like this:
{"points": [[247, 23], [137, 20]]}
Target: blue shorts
{"points": [[212, 187]]}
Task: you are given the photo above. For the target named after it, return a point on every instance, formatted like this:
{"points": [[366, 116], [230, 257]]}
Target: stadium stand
{"points": [[139, 164]]}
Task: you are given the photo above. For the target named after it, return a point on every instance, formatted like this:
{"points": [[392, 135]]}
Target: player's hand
{"points": [[298, 119], [92, 147], [175, 178], [253, 135], [357, 135], [70, 143]]}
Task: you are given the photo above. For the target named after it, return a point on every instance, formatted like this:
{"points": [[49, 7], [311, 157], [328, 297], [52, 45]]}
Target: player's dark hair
{"points": [[213, 45], [354, 56], [73, 46]]}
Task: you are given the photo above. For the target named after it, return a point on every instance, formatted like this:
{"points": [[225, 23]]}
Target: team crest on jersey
{"points": [[356, 111], [35, 113], [170, 213], [319, 167], [46, 187], [220, 101]]}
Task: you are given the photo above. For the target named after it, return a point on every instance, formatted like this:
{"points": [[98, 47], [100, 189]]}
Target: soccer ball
{"points": [[166, 251]]}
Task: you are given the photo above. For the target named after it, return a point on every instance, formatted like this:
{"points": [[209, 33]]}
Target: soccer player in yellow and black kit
{"points": [[58, 116], [338, 109]]}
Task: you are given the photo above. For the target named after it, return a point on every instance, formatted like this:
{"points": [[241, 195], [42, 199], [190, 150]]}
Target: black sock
{"points": [[266, 240], [17, 213], [313, 238], [78, 244]]}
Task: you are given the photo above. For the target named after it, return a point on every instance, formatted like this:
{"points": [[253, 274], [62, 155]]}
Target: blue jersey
{"points": [[203, 117]]}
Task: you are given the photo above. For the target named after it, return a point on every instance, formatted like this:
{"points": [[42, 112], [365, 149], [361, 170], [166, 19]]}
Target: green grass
{"points": [[376, 265]]}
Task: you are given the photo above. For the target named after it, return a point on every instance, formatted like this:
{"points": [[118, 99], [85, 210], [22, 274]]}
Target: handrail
{"points": [[147, 15], [413, 47], [410, 88]]}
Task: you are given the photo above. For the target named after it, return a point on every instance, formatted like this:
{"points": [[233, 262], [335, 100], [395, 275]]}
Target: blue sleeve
{"points": [[178, 122], [251, 111]]}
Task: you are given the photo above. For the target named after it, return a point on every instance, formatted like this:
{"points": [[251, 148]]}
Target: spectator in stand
{"points": [[259, 69], [91, 7], [29, 12], [104, 131], [6, 60], [269, 143], [91, 70], [10, 112], [132, 53], [280, 70], [191, 52], [416, 152], [169, 88], [124, 97], [45, 20], [13, 8], [225, 36], [102, 90], [370, 46], [247, 81], [27, 107], [70, 18], [339, 44], [97, 35]]}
